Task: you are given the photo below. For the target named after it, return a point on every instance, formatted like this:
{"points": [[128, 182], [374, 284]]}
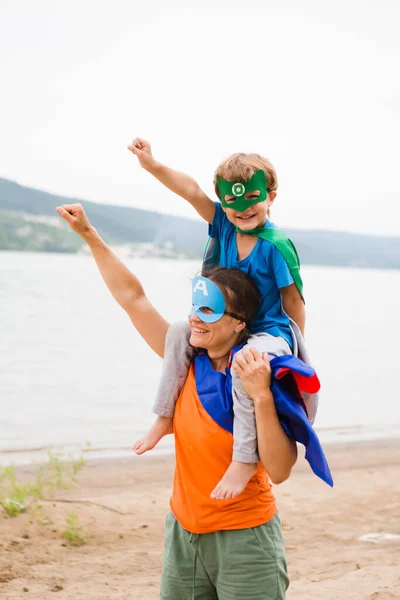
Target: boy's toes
{"points": [[136, 446], [219, 493], [214, 494]]}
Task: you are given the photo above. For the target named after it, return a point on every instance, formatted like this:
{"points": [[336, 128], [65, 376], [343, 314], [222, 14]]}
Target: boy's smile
{"points": [[254, 216]]}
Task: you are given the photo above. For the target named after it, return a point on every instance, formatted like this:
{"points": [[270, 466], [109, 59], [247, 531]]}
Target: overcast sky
{"points": [[313, 85]]}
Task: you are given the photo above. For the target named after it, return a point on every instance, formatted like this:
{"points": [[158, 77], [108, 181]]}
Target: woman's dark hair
{"points": [[240, 292]]}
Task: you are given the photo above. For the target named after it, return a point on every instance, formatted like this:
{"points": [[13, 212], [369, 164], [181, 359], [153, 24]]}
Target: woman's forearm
{"points": [[278, 453], [122, 283]]}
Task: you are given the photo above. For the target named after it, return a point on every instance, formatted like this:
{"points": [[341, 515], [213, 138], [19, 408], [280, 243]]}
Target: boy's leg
{"points": [[178, 355], [244, 423], [245, 456]]}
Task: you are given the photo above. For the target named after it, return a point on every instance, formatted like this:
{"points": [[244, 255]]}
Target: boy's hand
{"points": [[177, 182], [142, 150]]}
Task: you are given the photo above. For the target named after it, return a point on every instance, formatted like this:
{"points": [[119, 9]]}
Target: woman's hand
{"points": [[75, 217], [254, 370]]}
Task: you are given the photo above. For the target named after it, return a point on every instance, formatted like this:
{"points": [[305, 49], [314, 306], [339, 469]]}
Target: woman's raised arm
{"points": [[122, 283]]}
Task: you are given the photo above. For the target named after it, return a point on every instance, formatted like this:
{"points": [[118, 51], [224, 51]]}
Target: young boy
{"points": [[246, 185]]}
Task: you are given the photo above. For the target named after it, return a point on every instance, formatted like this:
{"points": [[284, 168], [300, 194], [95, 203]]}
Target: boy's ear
{"points": [[271, 197]]}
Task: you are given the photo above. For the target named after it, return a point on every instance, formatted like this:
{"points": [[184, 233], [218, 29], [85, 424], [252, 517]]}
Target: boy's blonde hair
{"points": [[240, 167]]}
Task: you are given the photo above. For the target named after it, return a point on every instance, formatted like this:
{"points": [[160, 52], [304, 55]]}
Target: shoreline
{"points": [[329, 436], [123, 502]]}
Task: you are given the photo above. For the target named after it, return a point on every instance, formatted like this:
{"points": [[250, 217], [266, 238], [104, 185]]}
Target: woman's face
{"points": [[213, 325], [212, 336]]}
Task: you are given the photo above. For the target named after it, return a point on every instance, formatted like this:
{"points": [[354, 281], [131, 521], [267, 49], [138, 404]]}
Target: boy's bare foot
{"points": [[234, 481], [161, 427]]}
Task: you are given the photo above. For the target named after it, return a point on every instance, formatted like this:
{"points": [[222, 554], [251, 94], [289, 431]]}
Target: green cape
{"points": [[285, 246], [277, 237]]}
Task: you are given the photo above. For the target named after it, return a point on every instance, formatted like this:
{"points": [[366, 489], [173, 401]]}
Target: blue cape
{"points": [[290, 377]]}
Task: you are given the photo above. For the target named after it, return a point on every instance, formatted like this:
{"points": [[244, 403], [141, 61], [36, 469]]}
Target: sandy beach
{"points": [[122, 503]]}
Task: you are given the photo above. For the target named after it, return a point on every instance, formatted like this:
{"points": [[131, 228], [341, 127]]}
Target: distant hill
{"points": [[22, 207], [28, 222]]}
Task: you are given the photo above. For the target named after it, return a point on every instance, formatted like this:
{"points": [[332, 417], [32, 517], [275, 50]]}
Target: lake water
{"points": [[73, 368]]}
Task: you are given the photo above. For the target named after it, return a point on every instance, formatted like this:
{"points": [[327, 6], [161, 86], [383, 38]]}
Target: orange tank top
{"points": [[203, 453]]}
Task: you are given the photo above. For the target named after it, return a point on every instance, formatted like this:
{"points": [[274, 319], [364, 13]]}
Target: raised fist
{"points": [[142, 150], [75, 217]]}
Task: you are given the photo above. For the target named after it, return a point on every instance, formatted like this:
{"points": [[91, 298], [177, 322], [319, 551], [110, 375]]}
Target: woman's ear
{"points": [[240, 327]]}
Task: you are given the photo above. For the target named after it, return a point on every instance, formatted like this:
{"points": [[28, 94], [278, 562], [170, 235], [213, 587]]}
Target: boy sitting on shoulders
{"points": [[246, 185]]}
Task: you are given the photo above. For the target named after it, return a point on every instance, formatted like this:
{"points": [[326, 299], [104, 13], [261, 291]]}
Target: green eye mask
{"points": [[237, 189]]}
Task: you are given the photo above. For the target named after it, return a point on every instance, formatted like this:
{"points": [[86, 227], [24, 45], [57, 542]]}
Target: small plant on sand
{"points": [[74, 532], [13, 495], [39, 515], [57, 473]]}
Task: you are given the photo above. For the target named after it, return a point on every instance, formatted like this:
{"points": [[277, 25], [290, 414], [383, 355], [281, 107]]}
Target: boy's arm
{"points": [[293, 305], [177, 182]]}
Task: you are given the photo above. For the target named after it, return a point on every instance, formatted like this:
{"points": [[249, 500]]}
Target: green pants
{"points": [[241, 564]]}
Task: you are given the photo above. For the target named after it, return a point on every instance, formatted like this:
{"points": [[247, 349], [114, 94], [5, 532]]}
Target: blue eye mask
{"points": [[208, 302]]}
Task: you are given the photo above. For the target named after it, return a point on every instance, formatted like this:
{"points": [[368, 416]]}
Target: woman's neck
{"points": [[219, 358]]}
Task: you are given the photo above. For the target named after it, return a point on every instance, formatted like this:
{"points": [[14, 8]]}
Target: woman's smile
{"points": [[197, 330]]}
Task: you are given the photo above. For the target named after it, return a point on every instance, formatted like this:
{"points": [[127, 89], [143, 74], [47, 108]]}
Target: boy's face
{"points": [[254, 216]]}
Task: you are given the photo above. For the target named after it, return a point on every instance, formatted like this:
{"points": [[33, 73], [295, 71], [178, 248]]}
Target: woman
{"points": [[214, 550]]}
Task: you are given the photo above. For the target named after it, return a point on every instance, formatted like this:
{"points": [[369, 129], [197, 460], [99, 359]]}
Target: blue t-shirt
{"points": [[266, 266]]}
